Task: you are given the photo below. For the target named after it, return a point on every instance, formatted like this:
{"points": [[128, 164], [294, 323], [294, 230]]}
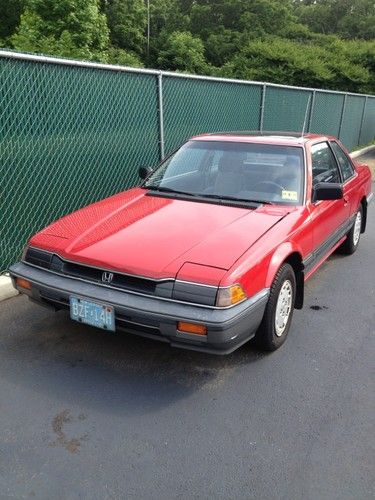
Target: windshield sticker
{"points": [[289, 195]]}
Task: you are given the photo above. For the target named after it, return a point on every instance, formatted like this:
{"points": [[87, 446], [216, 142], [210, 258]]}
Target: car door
{"points": [[349, 176], [329, 216]]}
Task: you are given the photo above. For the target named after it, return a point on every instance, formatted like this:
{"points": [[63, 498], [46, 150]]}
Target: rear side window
{"points": [[344, 162], [324, 165]]}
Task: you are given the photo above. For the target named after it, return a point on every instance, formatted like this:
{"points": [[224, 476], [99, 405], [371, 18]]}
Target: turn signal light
{"points": [[22, 283], [230, 296], [192, 328]]}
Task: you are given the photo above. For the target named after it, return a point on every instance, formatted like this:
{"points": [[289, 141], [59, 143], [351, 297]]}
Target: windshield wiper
{"points": [[164, 189], [233, 198]]}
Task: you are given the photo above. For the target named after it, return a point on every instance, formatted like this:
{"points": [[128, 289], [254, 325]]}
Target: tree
{"points": [[124, 58], [254, 18], [347, 18], [69, 28], [223, 45], [10, 17], [127, 21], [183, 52], [322, 65], [321, 43], [165, 18]]}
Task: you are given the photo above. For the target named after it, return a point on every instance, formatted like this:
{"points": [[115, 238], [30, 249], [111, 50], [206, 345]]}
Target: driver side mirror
{"points": [[144, 172], [327, 191]]}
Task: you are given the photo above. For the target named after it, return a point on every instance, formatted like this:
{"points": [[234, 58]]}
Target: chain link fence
{"points": [[72, 133]]}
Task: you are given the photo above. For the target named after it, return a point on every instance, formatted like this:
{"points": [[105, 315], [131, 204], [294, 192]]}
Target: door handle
{"points": [[346, 201]]}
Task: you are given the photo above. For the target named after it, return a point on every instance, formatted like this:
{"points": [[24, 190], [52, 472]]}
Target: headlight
{"points": [[193, 292], [230, 296], [37, 257]]}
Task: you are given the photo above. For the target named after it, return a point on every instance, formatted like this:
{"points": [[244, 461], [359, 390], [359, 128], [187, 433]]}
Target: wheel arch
{"points": [[289, 254]]}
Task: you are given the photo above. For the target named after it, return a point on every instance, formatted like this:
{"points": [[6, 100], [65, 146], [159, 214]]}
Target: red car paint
{"points": [[203, 242]]}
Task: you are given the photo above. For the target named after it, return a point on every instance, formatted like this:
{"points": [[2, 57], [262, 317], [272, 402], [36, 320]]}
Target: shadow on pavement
{"points": [[116, 373]]}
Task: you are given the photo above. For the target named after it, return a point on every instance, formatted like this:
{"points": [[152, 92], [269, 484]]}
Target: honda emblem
{"points": [[107, 277]]}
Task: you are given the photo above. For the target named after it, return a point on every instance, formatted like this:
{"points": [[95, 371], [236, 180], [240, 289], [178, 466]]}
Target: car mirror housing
{"points": [[144, 172], [327, 191]]}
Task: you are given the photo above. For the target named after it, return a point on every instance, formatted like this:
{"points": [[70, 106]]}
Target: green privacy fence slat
{"points": [[72, 133], [285, 109], [352, 119], [368, 125], [326, 114], [68, 136], [198, 106]]}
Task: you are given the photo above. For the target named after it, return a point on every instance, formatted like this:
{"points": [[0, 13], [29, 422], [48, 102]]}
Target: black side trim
{"points": [[311, 260]]}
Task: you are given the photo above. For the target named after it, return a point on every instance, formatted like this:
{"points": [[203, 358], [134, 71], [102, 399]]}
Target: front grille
{"points": [[131, 283], [50, 261], [168, 289]]}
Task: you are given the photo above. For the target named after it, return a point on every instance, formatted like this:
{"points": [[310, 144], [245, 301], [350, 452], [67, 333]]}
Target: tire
{"points": [[277, 317], [351, 243]]}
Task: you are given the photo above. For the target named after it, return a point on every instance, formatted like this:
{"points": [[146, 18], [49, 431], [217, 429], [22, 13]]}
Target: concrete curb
{"points": [[6, 288], [361, 152]]}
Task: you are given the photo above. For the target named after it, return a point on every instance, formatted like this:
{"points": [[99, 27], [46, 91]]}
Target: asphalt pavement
{"points": [[85, 414]]}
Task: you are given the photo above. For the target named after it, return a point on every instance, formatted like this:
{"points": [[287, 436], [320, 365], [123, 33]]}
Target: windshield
{"points": [[242, 171]]}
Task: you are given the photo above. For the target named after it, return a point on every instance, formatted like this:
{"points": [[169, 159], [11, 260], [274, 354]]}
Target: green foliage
{"points": [[69, 28], [10, 17], [123, 58], [290, 62], [315, 43], [183, 52], [127, 20], [223, 45], [347, 18]]}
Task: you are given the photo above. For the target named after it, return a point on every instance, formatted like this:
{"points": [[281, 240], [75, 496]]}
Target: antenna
{"points": [[307, 109]]}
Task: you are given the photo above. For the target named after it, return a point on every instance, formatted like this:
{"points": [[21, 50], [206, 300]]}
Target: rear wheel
{"points": [[351, 243], [278, 314]]}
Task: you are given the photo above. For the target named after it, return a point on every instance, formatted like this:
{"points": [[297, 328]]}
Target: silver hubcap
{"points": [[283, 307], [357, 228]]}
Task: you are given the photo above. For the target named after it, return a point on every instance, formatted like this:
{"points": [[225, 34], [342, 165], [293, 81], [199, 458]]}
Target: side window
{"points": [[324, 166], [344, 162]]}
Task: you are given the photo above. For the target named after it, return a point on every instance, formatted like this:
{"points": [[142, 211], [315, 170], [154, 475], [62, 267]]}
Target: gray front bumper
{"points": [[227, 329]]}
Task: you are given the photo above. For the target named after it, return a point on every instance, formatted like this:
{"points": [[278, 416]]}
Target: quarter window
{"points": [[344, 162], [324, 166]]}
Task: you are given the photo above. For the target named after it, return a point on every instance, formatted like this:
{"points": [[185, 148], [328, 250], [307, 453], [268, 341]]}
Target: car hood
{"points": [[154, 236]]}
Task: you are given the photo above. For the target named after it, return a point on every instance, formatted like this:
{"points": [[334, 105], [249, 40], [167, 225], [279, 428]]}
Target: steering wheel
{"points": [[269, 183]]}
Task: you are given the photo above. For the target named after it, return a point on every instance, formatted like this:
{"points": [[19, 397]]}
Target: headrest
{"points": [[292, 162], [231, 162]]}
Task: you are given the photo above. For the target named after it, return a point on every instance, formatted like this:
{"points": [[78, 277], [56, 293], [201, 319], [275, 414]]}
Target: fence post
{"points": [[262, 104], [311, 110], [161, 115], [342, 116], [362, 120]]}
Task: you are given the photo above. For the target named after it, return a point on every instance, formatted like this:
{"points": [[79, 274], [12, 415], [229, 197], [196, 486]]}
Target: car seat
{"points": [[229, 180]]}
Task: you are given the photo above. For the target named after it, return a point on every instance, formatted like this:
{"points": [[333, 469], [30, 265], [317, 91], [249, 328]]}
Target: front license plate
{"points": [[92, 313]]}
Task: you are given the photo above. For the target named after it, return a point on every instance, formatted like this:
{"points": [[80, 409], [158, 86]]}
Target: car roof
{"points": [[277, 138]]}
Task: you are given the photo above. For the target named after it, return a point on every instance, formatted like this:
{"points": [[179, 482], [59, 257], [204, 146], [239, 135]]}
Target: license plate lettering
{"points": [[92, 313]]}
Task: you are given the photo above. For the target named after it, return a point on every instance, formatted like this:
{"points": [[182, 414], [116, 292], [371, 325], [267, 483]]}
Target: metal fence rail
{"points": [[73, 132]]}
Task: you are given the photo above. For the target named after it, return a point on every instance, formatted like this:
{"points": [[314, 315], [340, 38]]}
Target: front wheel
{"points": [[351, 243], [278, 314]]}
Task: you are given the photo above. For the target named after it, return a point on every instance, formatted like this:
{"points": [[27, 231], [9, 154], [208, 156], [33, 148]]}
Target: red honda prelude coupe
{"points": [[212, 249]]}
